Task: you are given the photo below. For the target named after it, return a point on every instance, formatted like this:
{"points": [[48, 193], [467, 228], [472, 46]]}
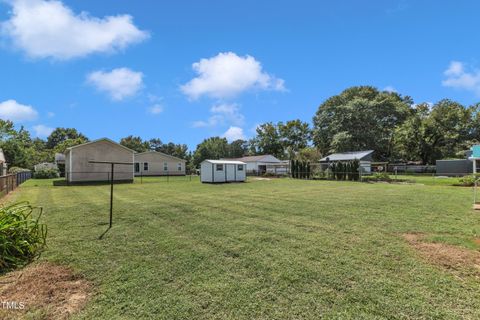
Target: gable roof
{"points": [[346, 156], [223, 161], [255, 158], [159, 153], [95, 141]]}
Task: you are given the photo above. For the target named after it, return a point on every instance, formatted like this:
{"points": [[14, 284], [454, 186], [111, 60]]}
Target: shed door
{"points": [[230, 172]]}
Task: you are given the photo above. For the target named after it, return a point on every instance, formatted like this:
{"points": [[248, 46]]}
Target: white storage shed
{"points": [[219, 171]]}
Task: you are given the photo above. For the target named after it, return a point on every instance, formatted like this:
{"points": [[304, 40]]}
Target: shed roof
{"points": [[223, 161], [260, 158], [95, 141], [346, 156]]}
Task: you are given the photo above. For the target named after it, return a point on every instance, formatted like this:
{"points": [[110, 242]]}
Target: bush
{"points": [[469, 181], [14, 170], [378, 176], [46, 174], [22, 237]]}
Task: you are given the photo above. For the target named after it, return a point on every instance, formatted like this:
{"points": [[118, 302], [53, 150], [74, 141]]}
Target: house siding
{"points": [[156, 161], [79, 169]]}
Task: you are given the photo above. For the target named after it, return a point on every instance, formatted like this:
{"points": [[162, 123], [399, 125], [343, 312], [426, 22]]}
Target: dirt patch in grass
{"points": [[50, 291], [461, 260], [261, 179]]}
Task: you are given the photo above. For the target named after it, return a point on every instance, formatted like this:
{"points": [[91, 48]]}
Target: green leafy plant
{"points": [[468, 181], [22, 236], [13, 170]]}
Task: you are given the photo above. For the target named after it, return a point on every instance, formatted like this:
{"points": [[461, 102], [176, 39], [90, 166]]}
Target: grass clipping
{"points": [[47, 291], [461, 261]]}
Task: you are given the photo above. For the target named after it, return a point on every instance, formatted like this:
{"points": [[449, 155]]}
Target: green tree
{"points": [[442, 131], [135, 143], [267, 140], [294, 136], [360, 118], [237, 148], [59, 135], [211, 148]]}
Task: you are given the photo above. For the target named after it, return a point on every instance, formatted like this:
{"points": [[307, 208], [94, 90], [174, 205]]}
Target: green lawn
{"points": [[278, 249]]}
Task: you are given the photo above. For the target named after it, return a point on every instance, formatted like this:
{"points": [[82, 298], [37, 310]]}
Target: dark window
{"points": [[179, 166], [137, 167], [219, 167], [145, 166], [240, 167], [165, 166]]}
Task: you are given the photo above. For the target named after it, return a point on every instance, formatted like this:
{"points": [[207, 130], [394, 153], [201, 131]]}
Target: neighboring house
{"points": [[364, 157], [3, 164], [262, 164], [79, 168], [59, 158], [45, 166], [218, 171], [153, 163]]}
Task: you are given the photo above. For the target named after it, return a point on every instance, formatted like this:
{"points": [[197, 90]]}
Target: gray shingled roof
{"points": [[346, 156]]}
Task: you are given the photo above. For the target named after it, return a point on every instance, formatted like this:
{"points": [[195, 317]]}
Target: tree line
{"points": [[359, 118]]}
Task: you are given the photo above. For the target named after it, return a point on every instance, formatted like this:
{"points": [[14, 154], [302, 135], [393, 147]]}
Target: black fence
{"points": [[10, 182]]}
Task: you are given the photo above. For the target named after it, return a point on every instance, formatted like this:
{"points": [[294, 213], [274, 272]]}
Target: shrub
{"points": [[22, 237], [14, 170], [469, 181], [46, 174], [378, 176]]}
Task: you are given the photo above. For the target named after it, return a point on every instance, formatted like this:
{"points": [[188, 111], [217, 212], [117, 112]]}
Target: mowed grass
{"points": [[278, 249]]}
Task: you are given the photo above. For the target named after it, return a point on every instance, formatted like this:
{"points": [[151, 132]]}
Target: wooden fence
{"points": [[10, 182]]}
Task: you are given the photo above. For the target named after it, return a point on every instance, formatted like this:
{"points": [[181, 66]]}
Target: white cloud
{"points": [[227, 75], [225, 113], [16, 112], [42, 131], [234, 133], [458, 77], [390, 89], [155, 109], [118, 84], [49, 29]]}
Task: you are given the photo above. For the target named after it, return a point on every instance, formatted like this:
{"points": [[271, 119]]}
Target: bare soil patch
{"points": [[48, 290], [460, 260]]}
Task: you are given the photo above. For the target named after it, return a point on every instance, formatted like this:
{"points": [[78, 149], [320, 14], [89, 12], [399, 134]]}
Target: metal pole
{"points": [[111, 196]]}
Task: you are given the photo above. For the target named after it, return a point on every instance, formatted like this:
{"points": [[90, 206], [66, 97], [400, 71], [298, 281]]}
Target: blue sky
{"points": [[186, 70]]}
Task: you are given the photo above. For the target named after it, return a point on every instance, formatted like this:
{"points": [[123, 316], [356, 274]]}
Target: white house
{"points": [[45, 166], [263, 164], [218, 171]]}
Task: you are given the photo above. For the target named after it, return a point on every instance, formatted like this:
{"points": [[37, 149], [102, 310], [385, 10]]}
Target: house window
{"points": [[145, 166], [240, 167], [137, 167], [219, 167], [179, 166], [165, 166]]}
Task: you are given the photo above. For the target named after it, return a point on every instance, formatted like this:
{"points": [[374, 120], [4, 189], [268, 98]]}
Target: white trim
{"points": [[71, 156]]}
